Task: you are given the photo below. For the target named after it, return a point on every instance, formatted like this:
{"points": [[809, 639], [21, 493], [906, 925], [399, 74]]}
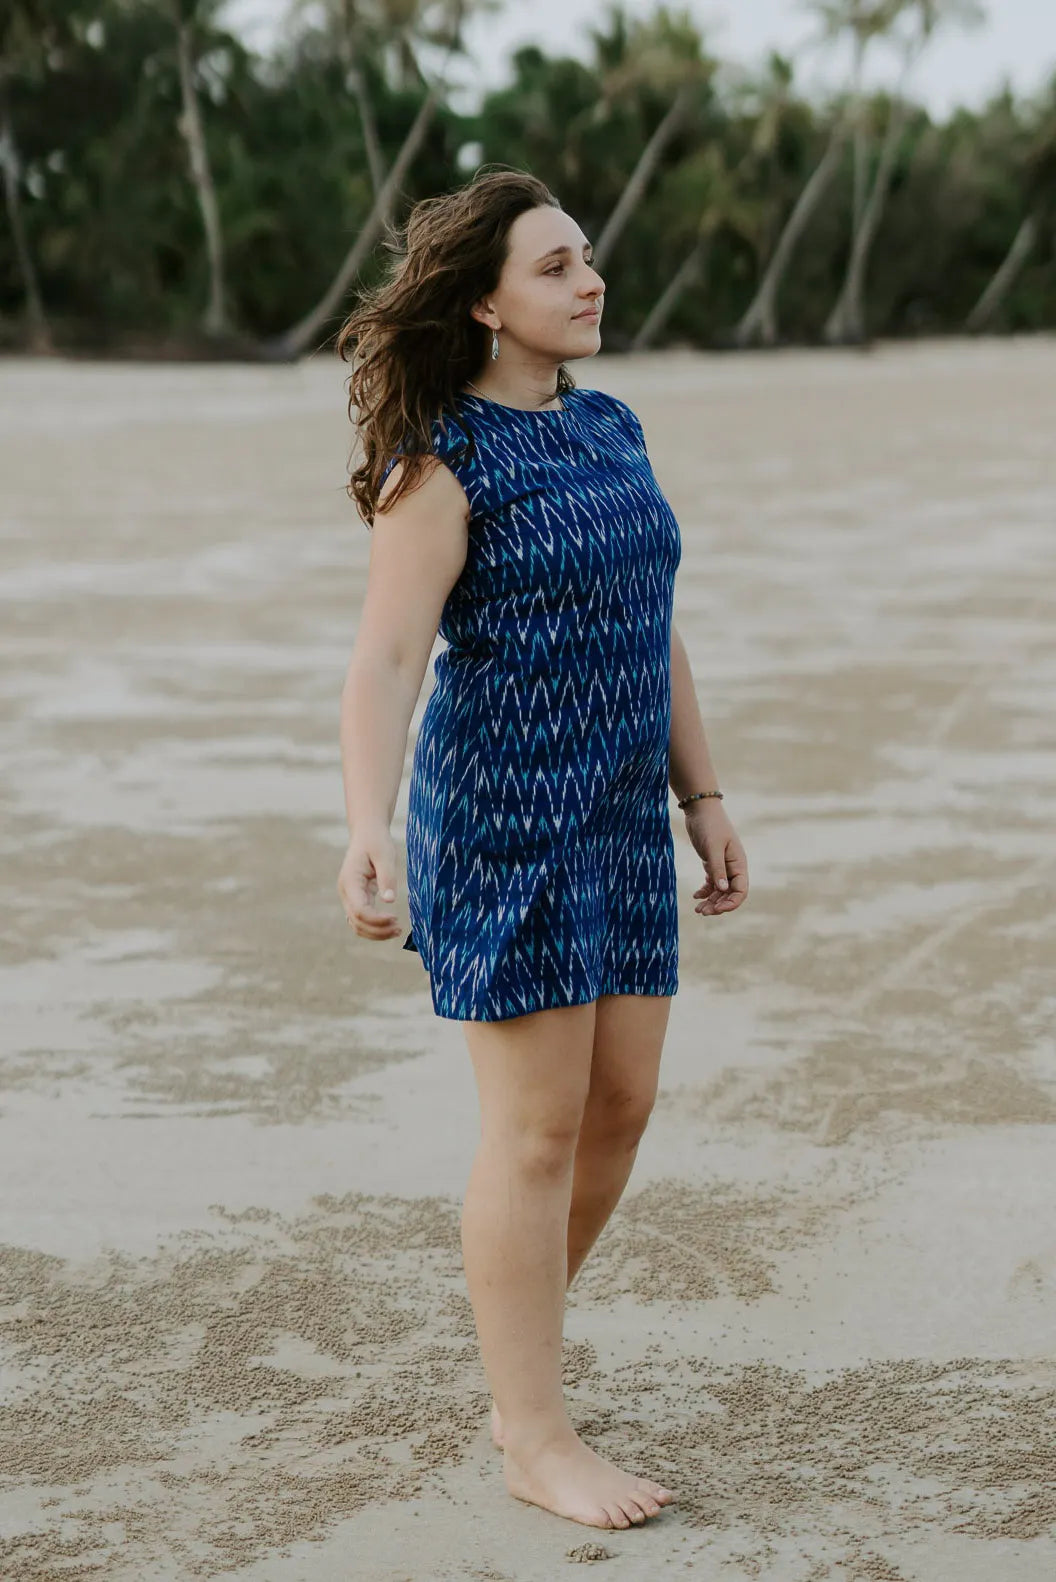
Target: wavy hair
{"points": [[412, 340]]}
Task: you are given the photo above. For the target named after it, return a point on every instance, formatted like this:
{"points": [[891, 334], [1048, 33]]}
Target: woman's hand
{"points": [[368, 874], [714, 838]]}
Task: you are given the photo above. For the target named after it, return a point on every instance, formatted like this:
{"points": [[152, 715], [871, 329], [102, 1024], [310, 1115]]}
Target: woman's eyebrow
{"points": [[564, 248]]}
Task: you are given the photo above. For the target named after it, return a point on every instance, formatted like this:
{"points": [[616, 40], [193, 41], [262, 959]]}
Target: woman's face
{"points": [[549, 296]]}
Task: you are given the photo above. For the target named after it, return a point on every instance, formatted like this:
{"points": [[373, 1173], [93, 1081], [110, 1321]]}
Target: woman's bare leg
{"points": [[533, 1078], [629, 1032]]}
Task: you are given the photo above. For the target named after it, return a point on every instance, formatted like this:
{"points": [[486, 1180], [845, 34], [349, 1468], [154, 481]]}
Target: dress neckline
{"points": [[522, 411]]}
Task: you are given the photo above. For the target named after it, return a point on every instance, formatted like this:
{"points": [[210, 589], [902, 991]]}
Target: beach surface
{"points": [[235, 1338]]}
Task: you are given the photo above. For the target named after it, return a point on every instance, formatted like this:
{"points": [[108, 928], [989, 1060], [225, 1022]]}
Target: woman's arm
{"points": [[417, 552], [690, 767]]}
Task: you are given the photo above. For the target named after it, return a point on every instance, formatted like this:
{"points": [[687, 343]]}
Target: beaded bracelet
{"points": [[693, 797]]}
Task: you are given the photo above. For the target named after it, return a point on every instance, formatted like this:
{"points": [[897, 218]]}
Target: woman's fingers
{"points": [[365, 906], [726, 902], [725, 884]]}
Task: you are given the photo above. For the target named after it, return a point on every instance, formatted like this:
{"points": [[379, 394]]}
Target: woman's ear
{"points": [[483, 314]]}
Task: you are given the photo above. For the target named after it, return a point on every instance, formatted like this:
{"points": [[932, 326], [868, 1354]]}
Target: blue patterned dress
{"points": [[540, 857]]}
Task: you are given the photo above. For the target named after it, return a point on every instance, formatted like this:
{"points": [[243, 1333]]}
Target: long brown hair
{"points": [[412, 340]]}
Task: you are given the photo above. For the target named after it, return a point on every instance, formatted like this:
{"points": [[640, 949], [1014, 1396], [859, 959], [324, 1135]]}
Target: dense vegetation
{"points": [[167, 189]]}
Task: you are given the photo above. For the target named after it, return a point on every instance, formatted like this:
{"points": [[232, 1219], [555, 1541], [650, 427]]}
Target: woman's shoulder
{"points": [[617, 411], [614, 403], [449, 439]]}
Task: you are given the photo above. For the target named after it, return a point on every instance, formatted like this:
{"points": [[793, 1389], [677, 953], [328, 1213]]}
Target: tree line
{"points": [[169, 190]]}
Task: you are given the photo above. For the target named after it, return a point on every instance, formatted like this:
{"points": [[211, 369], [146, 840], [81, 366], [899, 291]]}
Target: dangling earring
{"points": [[494, 344]]}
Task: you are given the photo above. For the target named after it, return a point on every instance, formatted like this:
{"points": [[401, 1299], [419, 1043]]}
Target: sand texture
{"points": [[235, 1338]]}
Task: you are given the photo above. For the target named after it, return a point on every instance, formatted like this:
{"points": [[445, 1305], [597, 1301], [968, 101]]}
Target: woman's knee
{"points": [[618, 1113], [625, 1067], [543, 1151]]}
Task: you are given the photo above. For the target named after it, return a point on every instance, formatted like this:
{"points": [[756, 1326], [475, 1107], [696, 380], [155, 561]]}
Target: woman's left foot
{"points": [[496, 1426]]}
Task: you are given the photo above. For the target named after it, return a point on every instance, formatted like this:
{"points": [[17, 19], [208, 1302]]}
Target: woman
{"points": [[519, 515]]}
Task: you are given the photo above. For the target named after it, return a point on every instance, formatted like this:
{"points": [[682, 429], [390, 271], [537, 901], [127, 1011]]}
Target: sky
{"points": [[1017, 43]]}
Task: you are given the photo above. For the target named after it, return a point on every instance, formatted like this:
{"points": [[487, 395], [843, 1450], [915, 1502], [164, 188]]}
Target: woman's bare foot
{"points": [[496, 1426], [567, 1477]]}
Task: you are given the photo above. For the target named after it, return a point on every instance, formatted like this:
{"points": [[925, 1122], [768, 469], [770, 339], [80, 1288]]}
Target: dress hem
{"points": [[670, 988]]}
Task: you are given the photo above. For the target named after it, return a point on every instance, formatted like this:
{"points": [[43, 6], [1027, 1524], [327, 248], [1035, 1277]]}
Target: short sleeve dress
{"points": [[540, 856]]}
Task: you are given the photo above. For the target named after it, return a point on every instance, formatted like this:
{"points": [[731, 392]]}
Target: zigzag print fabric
{"points": [[540, 856]]}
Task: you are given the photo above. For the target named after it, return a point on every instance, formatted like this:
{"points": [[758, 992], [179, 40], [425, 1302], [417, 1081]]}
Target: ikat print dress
{"points": [[540, 856]]}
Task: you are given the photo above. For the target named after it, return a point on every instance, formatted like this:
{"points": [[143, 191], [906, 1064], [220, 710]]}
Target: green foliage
{"points": [[92, 95]]}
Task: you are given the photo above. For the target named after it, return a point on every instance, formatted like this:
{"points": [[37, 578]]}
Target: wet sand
{"points": [[234, 1332]]}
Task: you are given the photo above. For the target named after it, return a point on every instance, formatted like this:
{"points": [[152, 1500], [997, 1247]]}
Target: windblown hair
{"points": [[412, 340]]}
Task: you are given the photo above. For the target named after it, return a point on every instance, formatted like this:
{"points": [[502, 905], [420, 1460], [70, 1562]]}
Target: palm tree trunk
{"points": [[861, 142], [1022, 246], [39, 329], [355, 79], [296, 339], [371, 141], [642, 174], [688, 273], [760, 319], [846, 322], [215, 320]]}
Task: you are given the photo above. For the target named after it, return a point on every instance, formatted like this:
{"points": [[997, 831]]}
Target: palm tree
{"points": [[27, 28], [866, 21], [362, 30], [862, 21], [846, 321], [1038, 221], [404, 24], [722, 200], [661, 55], [355, 37], [190, 17], [759, 321], [767, 102], [723, 206], [1004, 278]]}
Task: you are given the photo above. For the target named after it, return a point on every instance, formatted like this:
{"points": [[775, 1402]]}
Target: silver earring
{"points": [[494, 344]]}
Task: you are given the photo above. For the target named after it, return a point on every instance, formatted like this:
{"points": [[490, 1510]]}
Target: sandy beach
{"points": [[235, 1338]]}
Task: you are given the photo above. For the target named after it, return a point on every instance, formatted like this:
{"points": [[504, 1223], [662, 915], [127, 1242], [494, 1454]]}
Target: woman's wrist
{"points": [[699, 798]]}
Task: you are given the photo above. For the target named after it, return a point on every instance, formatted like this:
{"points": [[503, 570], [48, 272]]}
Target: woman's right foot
{"points": [[570, 1479]]}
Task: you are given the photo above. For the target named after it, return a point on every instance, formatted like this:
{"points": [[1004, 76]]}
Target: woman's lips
{"points": [[588, 313]]}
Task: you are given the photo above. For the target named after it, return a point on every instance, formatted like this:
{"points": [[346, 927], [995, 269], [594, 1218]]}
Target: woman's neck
{"points": [[527, 395]]}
